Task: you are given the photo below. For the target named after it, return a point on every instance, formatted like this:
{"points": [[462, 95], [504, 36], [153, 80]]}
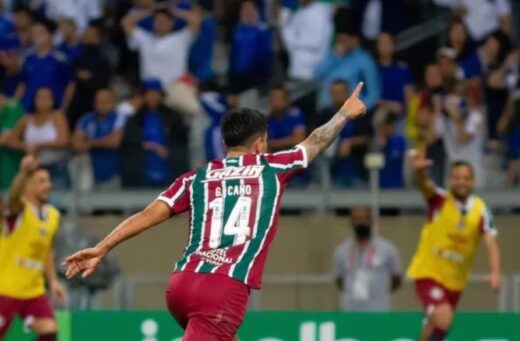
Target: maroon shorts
{"points": [[431, 294], [207, 306], [28, 310]]}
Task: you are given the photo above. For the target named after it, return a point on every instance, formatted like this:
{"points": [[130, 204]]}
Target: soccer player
{"points": [[457, 220], [233, 205], [27, 231]]}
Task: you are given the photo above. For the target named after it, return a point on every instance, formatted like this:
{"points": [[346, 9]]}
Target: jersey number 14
{"points": [[236, 225]]}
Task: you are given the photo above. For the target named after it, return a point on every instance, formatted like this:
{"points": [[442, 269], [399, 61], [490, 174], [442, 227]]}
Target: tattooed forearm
{"points": [[321, 138]]}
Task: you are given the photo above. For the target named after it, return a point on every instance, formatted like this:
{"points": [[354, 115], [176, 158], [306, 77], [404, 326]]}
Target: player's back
{"points": [[233, 206]]}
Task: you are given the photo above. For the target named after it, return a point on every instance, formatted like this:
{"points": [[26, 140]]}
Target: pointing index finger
{"points": [[357, 90]]}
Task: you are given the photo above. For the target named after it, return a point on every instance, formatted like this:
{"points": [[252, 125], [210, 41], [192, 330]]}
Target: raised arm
{"points": [[87, 260], [14, 201], [192, 17], [321, 138], [421, 178]]}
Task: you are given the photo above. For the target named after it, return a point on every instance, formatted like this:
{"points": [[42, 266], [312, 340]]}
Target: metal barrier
{"points": [[125, 289], [516, 293]]}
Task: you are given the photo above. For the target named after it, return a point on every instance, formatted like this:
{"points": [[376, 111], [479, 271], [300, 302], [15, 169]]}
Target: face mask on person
{"points": [[362, 231]]}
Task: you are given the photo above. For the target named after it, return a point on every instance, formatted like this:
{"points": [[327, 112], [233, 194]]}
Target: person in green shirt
{"points": [[10, 112]]}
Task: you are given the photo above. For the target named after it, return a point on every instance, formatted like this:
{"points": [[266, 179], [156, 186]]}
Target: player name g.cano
{"points": [[234, 173]]}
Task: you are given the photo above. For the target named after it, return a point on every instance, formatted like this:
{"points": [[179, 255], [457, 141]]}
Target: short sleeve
{"points": [[289, 162], [177, 196], [120, 121], [139, 38], [185, 35], [488, 224]]}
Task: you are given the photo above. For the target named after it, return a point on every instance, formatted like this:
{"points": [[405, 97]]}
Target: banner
{"points": [[280, 326], [297, 326], [18, 332]]}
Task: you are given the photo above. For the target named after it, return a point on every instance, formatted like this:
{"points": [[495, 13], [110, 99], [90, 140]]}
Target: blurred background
{"points": [[130, 95]]}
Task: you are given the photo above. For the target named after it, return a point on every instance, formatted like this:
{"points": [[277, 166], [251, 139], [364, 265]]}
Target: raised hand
{"points": [[84, 261], [418, 160], [28, 163], [354, 106]]}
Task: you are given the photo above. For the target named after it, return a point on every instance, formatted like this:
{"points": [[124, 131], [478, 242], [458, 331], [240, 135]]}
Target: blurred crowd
{"points": [[111, 93]]}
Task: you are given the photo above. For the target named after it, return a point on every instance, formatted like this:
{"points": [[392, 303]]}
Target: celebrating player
{"points": [[233, 205], [449, 240], [26, 257]]}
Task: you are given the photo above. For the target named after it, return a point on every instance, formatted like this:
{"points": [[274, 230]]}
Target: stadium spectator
{"points": [[446, 60], [201, 53], [432, 85], [350, 62], [45, 67], [463, 132], [10, 71], [509, 129], [482, 17], [286, 124], [367, 268], [92, 72], [376, 16], [70, 41], [494, 54], [11, 111], [396, 82], [81, 11], [430, 140], [21, 38], [99, 133], [45, 135], [339, 92], [215, 105], [393, 146], [163, 53], [154, 143], [6, 21], [467, 58], [250, 60], [306, 35], [349, 169]]}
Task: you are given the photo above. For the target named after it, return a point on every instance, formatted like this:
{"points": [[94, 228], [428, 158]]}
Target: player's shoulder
{"points": [[480, 203], [52, 211], [190, 175]]}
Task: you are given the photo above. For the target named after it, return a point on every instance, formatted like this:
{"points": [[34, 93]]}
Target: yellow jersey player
{"points": [[457, 220], [28, 227]]}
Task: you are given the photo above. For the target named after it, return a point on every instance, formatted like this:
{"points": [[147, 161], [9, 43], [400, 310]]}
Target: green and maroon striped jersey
{"points": [[233, 205]]}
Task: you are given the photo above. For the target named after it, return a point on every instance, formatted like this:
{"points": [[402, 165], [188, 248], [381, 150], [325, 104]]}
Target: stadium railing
{"points": [[125, 288]]}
